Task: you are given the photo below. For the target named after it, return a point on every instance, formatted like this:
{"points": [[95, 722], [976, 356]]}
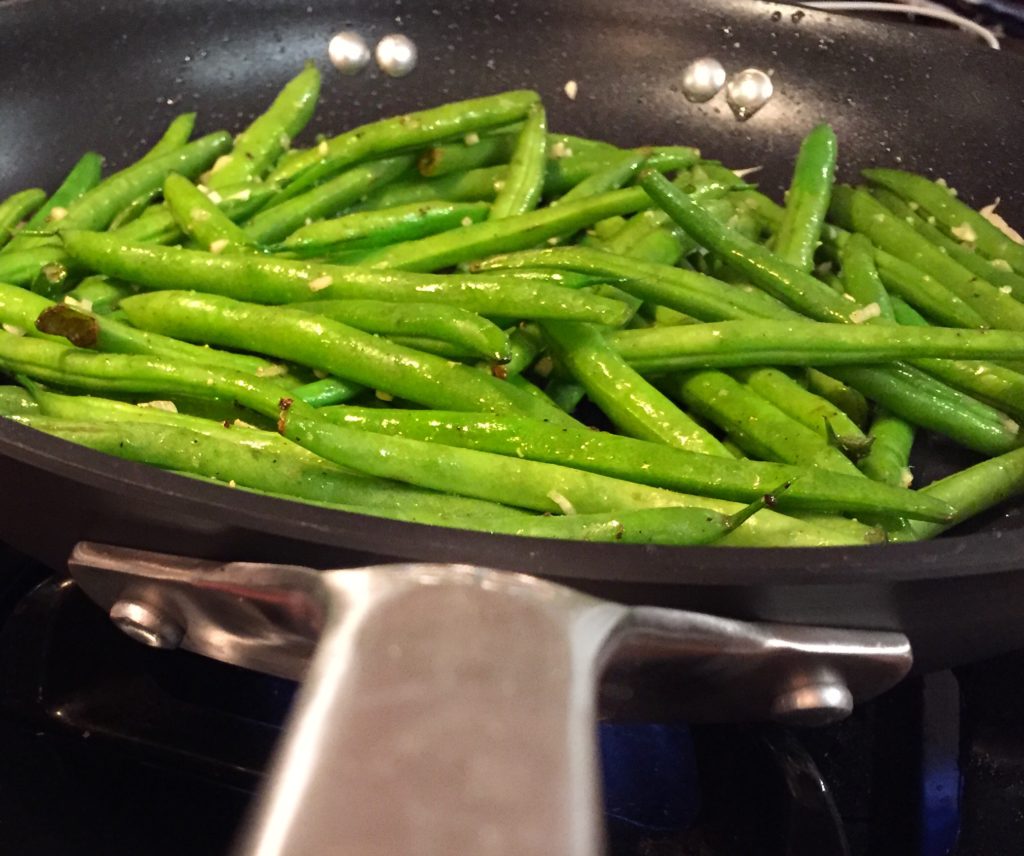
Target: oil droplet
{"points": [[702, 78], [748, 91]]}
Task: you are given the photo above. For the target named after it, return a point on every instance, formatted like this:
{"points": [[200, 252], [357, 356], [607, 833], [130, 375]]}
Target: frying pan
{"points": [[78, 75], [108, 75]]}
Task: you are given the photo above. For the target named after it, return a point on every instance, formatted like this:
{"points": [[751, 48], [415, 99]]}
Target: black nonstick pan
{"points": [[78, 74]]}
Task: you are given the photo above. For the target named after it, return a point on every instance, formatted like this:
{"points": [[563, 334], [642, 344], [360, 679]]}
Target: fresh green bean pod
{"points": [[461, 471], [84, 176], [321, 343], [908, 396], [402, 133], [474, 185], [631, 403], [997, 385], [940, 203], [258, 147], [328, 391], [477, 151], [725, 344], [687, 291], [445, 323], [846, 398], [158, 226], [97, 207], [860, 211], [14, 209], [925, 293], [58, 321], [641, 461], [511, 233], [764, 269], [177, 134], [970, 492], [807, 201], [326, 200], [201, 220], [810, 410], [372, 229], [888, 458], [860, 276], [756, 426], [524, 181], [271, 280]]}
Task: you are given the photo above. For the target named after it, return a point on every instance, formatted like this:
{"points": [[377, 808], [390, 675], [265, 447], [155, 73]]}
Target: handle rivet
{"points": [[145, 624]]}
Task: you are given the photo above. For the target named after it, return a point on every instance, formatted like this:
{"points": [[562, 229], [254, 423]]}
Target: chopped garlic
{"points": [[571, 89], [906, 478], [284, 141], [57, 213], [1011, 426], [964, 233], [859, 316], [747, 170], [323, 149], [1001, 264], [499, 186], [238, 423], [219, 245], [1006, 289], [232, 483], [559, 150], [561, 501], [220, 163], [383, 396], [215, 197], [14, 331], [274, 370], [552, 241], [466, 221], [320, 373], [320, 283], [199, 215], [471, 139], [84, 305], [941, 182], [989, 213], [243, 195], [167, 406]]}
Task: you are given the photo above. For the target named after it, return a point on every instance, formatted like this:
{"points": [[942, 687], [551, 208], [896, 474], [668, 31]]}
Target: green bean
{"points": [[259, 146], [264, 462], [846, 398], [401, 133], [14, 401], [1002, 276], [158, 226], [665, 526], [270, 280], [858, 210], [38, 316], [888, 458], [791, 285], [757, 427], [997, 385], [686, 291], [925, 292], [497, 148], [371, 229], [327, 391], [807, 200], [201, 220], [860, 277], [97, 207], [326, 200], [524, 181], [525, 484], [84, 175], [760, 343], [813, 411], [22, 267], [321, 343], [177, 134], [970, 492], [14, 209], [631, 403], [475, 185], [907, 395], [625, 168], [512, 233], [651, 463], [940, 202], [446, 323]]}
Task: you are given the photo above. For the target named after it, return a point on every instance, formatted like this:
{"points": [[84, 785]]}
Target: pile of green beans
{"points": [[459, 317]]}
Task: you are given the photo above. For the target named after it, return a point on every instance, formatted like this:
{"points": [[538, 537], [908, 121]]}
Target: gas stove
{"points": [[114, 748]]}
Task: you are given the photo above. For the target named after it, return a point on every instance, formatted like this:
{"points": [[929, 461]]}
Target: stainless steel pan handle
{"points": [[451, 709]]}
